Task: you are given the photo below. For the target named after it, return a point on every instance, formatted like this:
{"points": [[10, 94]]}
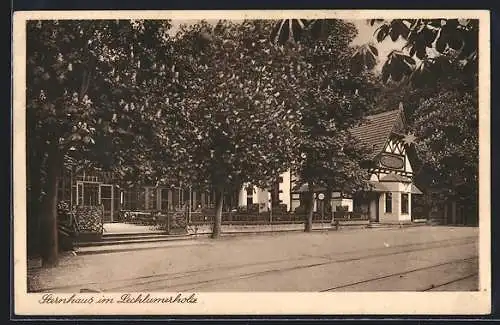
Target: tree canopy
{"points": [[430, 44], [94, 90], [335, 97], [243, 114], [435, 75], [218, 106]]}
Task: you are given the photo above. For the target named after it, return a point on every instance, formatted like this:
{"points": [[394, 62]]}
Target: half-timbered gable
{"points": [[391, 166], [390, 163]]}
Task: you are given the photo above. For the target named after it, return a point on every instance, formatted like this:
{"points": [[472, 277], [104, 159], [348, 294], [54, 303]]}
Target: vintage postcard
{"points": [[274, 162]]}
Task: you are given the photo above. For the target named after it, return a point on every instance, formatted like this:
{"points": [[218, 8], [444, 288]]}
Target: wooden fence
{"points": [[265, 218], [236, 218]]}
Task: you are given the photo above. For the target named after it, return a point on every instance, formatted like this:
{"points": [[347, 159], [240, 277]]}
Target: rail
{"points": [[157, 218]]}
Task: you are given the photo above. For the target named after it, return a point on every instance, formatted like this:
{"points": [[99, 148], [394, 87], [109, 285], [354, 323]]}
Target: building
{"points": [[392, 187], [389, 200], [87, 187]]}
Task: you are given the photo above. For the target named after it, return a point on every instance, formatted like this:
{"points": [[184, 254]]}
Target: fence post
{"points": [[190, 203], [168, 221], [322, 213]]}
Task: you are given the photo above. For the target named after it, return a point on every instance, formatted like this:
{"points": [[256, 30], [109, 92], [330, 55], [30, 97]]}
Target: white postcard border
{"points": [[261, 303]]}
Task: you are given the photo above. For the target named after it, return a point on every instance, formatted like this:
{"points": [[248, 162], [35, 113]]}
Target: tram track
{"points": [[432, 287], [398, 274], [198, 284], [343, 257]]}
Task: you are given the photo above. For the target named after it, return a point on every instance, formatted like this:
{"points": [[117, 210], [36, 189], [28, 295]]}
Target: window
{"points": [[130, 199], [249, 190], [164, 199], [151, 194], [404, 203], [388, 202], [73, 195], [195, 200], [141, 198], [206, 199], [79, 197]]}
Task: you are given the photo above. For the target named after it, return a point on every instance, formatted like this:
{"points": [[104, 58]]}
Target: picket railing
{"points": [[235, 218], [155, 218], [349, 215]]}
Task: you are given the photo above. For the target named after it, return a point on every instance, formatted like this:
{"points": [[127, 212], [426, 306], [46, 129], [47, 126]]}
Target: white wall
{"points": [[408, 167], [262, 197], [373, 210], [395, 215], [242, 197], [342, 201], [294, 203], [285, 194]]}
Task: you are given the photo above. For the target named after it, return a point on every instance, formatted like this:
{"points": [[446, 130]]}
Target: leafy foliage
{"points": [[295, 30], [364, 58], [335, 95], [94, 90], [441, 104], [241, 106], [88, 87], [289, 29], [435, 75], [447, 126], [431, 45]]}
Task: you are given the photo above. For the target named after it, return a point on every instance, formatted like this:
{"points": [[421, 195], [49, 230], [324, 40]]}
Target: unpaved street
{"points": [[408, 259]]}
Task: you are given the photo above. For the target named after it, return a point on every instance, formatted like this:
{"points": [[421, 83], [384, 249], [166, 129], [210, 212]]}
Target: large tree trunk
{"points": [[445, 218], [310, 211], [33, 209], [454, 220], [216, 231], [49, 232], [328, 203]]}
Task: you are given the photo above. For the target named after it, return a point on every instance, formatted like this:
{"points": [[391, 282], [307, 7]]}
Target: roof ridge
{"points": [[375, 130], [383, 113]]}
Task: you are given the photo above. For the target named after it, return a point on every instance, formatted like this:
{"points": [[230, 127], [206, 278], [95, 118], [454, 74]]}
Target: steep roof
{"points": [[376, 129], [415, 189], [395, 178]]}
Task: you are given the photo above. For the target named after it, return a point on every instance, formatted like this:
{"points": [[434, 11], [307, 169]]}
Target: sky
{"points": [[365, 35]]}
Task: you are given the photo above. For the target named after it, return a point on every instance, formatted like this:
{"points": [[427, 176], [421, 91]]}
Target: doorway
{"points": [[374, 207], [94, 194], [106, 199]]}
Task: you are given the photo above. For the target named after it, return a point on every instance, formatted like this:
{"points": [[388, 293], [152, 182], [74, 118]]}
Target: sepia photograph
{"points": [[165, 157]]}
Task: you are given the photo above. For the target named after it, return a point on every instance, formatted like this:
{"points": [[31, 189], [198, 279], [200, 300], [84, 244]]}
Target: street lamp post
{"points": [[321, 197]]}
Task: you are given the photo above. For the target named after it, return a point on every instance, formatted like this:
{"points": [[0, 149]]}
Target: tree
{"points": [[89, 97], [335, 97], [447, 129], [428, 42], [438, 62], [49, 104], [242, 108], [441, 97]]}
